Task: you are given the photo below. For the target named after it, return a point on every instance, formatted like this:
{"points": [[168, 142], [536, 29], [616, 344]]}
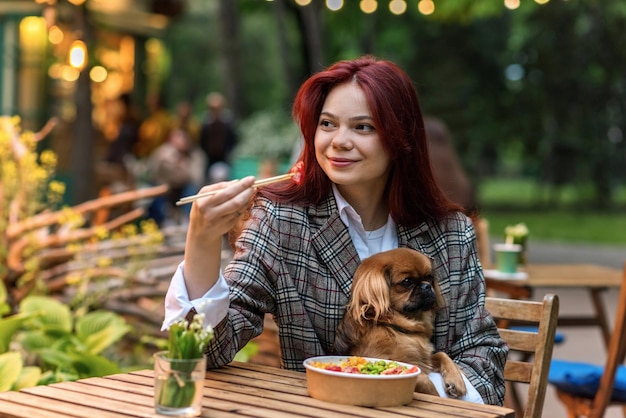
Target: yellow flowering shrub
{"points": [[29, 193]]}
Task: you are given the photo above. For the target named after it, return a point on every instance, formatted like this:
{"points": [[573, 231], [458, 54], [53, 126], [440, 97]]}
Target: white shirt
{"points": [[214, 303]]}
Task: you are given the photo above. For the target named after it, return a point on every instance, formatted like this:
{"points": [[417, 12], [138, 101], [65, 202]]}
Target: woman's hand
{"points": [[211, 218], [215, 215]]}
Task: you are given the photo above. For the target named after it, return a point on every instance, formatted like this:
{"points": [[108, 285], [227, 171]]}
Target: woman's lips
{"points": [[341, 162]]}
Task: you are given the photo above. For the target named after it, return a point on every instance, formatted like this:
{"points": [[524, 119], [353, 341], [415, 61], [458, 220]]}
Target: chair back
{"points": [[481, 227], [594, 405], [535, 347], [615, 356]]}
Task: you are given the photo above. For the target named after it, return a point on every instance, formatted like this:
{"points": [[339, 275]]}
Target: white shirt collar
{"points": [[364, 244]]}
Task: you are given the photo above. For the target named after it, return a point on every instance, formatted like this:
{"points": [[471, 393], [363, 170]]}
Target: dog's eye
{"points": [[408, 282]]}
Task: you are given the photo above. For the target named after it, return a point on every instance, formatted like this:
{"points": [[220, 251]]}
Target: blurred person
{"points": [[115, 172], [179, 163], [447, 168], [128, 132], [454, 181], [155, 128], [218, 137], [185, 120], [366, 187]]}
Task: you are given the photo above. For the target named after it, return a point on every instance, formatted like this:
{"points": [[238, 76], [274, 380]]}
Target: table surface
{"points": [[239, 389], [566, 275]]}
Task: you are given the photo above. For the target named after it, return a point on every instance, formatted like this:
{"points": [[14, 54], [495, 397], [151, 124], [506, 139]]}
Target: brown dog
{"points": [[391, 315]]}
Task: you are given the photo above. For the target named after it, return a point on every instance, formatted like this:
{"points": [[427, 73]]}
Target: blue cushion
{"points": [[558, 337], [583, 379]]}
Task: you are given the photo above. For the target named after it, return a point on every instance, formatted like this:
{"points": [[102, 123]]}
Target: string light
{"points": [[368, 6], [426, 7], [98, 74], [397, 7], [55, 35], [78, 54], [334, 5], [511, 4]]}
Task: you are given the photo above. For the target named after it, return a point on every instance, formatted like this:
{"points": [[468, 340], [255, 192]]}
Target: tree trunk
{"points": [[82, 159], [288, 71], [229, 27], [310, 21]]}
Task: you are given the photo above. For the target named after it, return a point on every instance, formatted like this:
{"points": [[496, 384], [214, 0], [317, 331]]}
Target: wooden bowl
{"points": [[359, 389]]}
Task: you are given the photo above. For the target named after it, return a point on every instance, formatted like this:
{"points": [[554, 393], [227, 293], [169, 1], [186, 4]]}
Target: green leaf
{"points": [[4, 306], [28, 378], [10, 369], [49, 377], [88, 365], [9, 326], [55, 317], [36, 340], [56, 358], [247, 352], [99, 329]]}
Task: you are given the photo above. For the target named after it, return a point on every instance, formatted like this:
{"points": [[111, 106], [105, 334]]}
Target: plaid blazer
{"points": [[297, 263]]}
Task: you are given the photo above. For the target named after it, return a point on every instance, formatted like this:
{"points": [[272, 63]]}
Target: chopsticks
{"points": [[258, 183]]}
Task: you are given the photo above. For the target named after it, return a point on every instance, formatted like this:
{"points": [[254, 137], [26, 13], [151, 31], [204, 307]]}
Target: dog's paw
{"points": [[454, 391], [451, 391]]}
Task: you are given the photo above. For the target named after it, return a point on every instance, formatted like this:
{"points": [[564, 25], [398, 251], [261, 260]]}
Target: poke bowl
{"points": [[363, 381]]}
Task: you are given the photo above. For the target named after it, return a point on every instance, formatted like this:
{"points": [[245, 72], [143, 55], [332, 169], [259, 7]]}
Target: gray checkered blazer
{"points": [[297, 264]]}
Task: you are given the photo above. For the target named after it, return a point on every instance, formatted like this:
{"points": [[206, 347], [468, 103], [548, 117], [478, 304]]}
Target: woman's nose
{"points": [[342, 138]]}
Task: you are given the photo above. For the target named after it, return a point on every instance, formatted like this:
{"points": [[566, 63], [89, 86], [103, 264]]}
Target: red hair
{"points": [[393, 102]]}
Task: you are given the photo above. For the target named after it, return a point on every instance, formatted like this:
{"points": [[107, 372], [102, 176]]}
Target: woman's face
{"points": [[347, 145]]}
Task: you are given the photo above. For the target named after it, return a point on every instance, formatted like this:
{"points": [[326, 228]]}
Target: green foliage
{"points": [[10, 369], [63, 346], [563, 226], [4, 306], [247, 352], [188, 340], [267, 134], [10, 326], [562, 217]]}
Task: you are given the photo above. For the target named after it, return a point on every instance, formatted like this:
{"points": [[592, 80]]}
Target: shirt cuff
{"points": [[213, 304], [472, 394]]}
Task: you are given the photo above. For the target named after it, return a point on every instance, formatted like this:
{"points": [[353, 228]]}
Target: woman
{"points": [[367, 187]]}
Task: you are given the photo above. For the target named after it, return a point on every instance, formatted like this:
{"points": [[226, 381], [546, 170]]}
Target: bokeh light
{"points": [[397, 7], [426, 7], [368, 6]]}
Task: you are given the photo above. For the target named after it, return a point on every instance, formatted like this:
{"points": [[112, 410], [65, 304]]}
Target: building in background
{"points": [[69, 59]]}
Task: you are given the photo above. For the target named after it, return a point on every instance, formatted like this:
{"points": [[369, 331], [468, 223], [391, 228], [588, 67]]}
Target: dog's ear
{"points": [[370, 293]]}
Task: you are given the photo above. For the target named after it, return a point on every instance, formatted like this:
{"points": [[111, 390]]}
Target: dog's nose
{"points": [[424, 287]]}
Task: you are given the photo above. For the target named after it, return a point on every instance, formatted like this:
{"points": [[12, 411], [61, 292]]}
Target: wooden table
{"points": [[595, 279], [240, 389]]}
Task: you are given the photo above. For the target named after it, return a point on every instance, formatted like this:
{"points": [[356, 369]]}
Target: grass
{"points": [[506, 202], [563, 226]]}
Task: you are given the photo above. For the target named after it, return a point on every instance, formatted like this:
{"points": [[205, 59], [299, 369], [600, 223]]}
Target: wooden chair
{"points": [[535, 348], [586, 390], [481, 227]]}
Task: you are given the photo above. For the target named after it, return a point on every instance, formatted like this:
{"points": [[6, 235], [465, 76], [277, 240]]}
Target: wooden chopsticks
{"points": [[258, 183]]}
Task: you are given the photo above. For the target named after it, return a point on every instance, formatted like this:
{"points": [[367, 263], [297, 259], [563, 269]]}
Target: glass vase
{"points": [[178, 385]]}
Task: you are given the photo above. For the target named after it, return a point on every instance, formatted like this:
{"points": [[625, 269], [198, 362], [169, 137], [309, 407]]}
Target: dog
{"points": [[391, 315]]}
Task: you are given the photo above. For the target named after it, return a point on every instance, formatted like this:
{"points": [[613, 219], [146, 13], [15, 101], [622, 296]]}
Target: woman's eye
{"points": [[326, 123], [365, 127]]}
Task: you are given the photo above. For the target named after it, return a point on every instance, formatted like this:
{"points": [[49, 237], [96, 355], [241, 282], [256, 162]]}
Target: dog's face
{"points": [[398, 280]]}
